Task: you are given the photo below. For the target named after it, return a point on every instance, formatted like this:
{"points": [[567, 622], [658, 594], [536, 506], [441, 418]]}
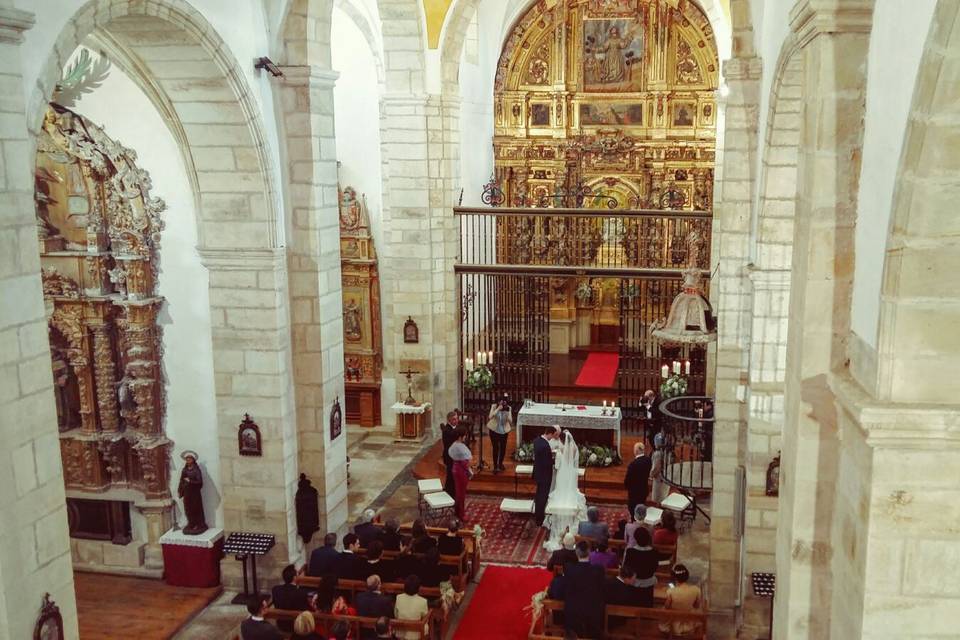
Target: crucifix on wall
{"points": [[409, 373]]}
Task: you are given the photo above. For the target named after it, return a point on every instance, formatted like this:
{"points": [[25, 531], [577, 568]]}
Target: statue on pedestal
{"points": [[191, 482]]}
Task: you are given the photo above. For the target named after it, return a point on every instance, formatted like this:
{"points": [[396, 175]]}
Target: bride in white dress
{"points": [[566, 505]]}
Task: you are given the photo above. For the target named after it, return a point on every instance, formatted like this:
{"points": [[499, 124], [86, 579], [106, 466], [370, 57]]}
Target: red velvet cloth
{"points": [[599, 370], [192, 566]]}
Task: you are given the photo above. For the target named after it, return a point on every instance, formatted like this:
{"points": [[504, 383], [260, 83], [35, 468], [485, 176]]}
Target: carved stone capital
{"points": [[13, 22], [240, 259], [742, 69], [811, 18]]}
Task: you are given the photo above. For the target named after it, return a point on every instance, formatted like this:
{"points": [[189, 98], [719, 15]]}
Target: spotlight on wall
{"points": [[267, 63]]}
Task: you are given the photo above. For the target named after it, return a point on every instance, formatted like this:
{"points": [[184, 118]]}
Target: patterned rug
{"points": [[513, 539]]}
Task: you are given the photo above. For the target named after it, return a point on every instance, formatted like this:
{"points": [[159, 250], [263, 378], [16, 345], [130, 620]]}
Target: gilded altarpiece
{"points": [[362, 350], [99, 230], [603, 104]]}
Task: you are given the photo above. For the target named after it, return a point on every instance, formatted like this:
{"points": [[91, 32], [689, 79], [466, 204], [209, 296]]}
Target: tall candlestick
{"points": [[664, 371], [686, 367]]}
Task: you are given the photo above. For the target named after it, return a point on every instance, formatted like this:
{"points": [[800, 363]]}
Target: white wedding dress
{"points": [[566, 505]]}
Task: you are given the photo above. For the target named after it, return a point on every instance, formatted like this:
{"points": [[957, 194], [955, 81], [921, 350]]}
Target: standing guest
{"points": [[323, 560], [448, 435], [543, 472], [350, 566], [411, 606], [638, 522], [451, 544], [391, 535], [366, 530], [255, 627], [565, 554], [637, 478], [583, 607], [593, 528], [305, 627], [666, 535], [644, 561], [499, 424], [373, 604], [659, 491], [289, 596], [683, 596], [603, 556], [461, 456], [649, 413], [422, 541], [376, 565]]}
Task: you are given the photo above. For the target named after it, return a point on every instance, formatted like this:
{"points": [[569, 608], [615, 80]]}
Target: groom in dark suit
{"points": [[543, 472]]}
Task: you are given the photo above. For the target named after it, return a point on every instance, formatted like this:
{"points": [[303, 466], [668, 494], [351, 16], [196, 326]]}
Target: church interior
{"points": [[462, 319]]}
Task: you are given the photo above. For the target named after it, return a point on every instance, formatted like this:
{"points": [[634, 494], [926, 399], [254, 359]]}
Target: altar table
{"points": [[589, 417], [192, 561]]}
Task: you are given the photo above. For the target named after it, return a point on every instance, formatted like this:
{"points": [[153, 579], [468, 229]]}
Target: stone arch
{"points": [[362, 23], [211, 102], [403, 45], [920, 295], [305, 30]]}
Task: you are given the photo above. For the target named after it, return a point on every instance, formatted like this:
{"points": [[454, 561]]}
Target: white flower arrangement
{"points": [[480, 379], [675, 385]]}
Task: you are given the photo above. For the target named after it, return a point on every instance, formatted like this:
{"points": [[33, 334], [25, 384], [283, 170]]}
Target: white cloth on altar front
{"points": [[566, 505]]}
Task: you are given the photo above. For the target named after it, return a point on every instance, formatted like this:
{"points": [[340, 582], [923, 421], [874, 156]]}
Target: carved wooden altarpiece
{"points": [[99, 231], [362, 354]]}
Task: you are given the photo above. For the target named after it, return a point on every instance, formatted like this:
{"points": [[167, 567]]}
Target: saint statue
{"points": [[351, 321], [191, 481], [614, 66]]}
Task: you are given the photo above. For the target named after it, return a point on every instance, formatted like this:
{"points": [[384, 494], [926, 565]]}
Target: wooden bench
{"points": [[327, 620], [668, 553], [459, 576], [628, 623], [469, 542]]}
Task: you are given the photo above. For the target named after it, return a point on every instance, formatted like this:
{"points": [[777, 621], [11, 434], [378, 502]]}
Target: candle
{"points": [[676, 366], [490, 358], [664, 371], [469, 364], [604, 404], [613, 405], [686, 367]]}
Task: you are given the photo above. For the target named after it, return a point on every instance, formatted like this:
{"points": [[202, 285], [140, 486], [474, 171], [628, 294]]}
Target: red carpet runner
{"points": [[496, 611], [600, 370]]}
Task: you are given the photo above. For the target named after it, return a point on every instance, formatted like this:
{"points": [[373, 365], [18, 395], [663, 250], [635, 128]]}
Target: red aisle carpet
{"points": [[496, 611], [599, 370]]}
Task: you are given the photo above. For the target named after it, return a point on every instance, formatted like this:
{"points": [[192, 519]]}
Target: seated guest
{"points": [[304, 627], [406, 563], [366, 530], [666, 533], [630, 529], [340, 630], [583, 607], [621, 590], [682, 597], [324, 559], [421, 539], [289, 596], [255, 627], [593, 528], [376, 564], [451, 544], [326, 592], [382, 628], [565, 554], [373, 604], [644, 561], [390, 536], [603, 556], [432, 573], [411, 606], [350, 566], [558, 587]]}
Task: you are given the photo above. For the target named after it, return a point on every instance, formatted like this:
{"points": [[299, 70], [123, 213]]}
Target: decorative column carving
{"points": [[159, 520]]}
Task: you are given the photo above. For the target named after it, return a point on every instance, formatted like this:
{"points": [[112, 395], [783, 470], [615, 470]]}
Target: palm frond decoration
{"points": [[83, 76]]}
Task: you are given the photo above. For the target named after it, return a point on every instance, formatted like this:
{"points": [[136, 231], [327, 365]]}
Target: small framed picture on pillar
{"points": [[248, 435], [336, 420], [411, 332], [50, 623]]}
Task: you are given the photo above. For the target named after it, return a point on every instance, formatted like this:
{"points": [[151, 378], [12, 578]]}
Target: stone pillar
{"points": [[35, 554], [833, 36], [730, 292], [159, 520], [316, 300]]}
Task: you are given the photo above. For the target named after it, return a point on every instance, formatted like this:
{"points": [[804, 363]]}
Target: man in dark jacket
{"points": [[366, 530], [351, 566], [543, 472], [373, 604], [583, 607], [289, 596], [324, 559], [448, 434], [637, 478], [255, 627], [620, 590]]}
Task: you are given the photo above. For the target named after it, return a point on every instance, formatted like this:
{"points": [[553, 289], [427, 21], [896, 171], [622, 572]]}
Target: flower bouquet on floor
{"points": [[479, 379], [675, 385], [598, 455]]}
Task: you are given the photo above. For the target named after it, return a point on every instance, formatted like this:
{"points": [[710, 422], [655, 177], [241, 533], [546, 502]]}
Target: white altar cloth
{"points": [[590, 417]]}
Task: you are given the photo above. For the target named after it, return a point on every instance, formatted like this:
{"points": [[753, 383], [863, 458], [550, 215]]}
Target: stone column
{"points": [[833, 36], [159, 520], [316, 300], [35, 554]]}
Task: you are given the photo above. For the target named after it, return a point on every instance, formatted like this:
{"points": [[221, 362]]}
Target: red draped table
{"points": [[192, 561]]}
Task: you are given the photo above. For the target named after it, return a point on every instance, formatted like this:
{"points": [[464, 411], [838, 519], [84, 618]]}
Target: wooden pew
{"points": [[667, 552], [458, 578], [353, 587], [631, 623], [469, 543], [327, 620]]}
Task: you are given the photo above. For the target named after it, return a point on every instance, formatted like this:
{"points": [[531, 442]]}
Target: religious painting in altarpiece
{"points": [[614, 98], [362, 351], [99, 230]]}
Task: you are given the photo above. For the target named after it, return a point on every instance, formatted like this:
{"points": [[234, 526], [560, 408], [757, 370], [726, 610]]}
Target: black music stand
{"points": [[243, 546], [765, 586]]}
